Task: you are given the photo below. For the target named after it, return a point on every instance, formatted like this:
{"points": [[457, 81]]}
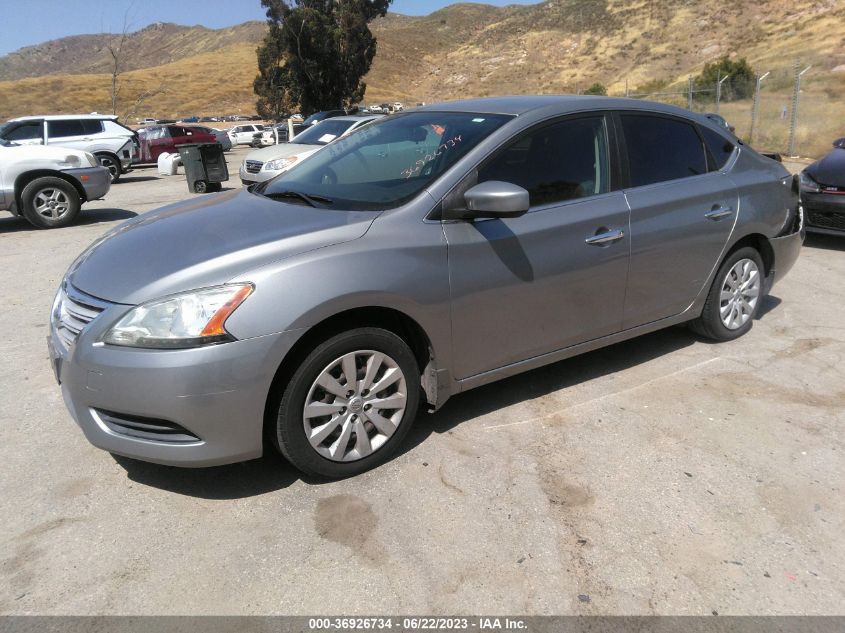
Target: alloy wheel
{"points": [[740, 294], [355, 405], [51, 202]]}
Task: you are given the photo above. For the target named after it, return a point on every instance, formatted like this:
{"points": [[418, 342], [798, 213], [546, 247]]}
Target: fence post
{"points": [[719, 82], [689, 93], [796, 97], [755, 106]]}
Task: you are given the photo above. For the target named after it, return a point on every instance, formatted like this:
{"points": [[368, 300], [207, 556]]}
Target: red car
{"points": [[157, 139]]}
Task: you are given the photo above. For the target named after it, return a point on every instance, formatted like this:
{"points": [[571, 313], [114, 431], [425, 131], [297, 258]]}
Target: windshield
{"points": [[388, 162], [323, 133]]}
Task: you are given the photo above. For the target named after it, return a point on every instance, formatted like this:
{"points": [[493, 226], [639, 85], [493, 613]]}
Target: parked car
{"points": [[191, 119], [427, 254], [242, 134], [114, 144], [147, 121], [272, 135], [269, 162], [157, 139], [48, 185], [376, 108], [823, 192], [398, 107], [316, 118], [222, 136], [209, 119]]}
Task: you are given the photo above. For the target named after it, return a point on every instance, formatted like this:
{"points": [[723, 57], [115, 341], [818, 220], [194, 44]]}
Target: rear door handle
{"points": [[608, 237], [718, 212]]}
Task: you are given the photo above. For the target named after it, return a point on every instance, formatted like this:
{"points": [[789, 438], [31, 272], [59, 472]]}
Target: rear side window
{"points": [[661, 149], [60, 129], [558, 162], [91, 126], [720, 147]]}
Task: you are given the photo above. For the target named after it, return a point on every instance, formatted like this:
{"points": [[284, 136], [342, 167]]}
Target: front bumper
{"points": [[214, 396], [825, 212], [96, 181]]}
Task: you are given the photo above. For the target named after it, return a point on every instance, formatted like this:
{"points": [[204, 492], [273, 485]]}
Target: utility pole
{"points": [[796, 97], [755, 106], [719, 83]]}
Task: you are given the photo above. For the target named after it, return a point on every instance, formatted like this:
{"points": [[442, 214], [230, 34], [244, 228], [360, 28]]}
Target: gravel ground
{"points": [[664, 475]]}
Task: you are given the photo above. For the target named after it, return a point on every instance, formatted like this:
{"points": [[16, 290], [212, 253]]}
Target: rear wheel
{"points": [[349, 405], [200, 186], [112, 164], [50, 203], [734, 298]]}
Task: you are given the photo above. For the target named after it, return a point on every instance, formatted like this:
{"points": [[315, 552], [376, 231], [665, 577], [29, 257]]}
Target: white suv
{"points": [[114, 144], [242, 134]]}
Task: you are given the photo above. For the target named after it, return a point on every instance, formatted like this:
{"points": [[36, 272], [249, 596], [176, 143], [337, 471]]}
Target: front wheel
{"points": [[50, 203], [349, 405], [734, 298]]}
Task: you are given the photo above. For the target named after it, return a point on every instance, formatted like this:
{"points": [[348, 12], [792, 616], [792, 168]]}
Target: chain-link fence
{"points": [[781, 110]]}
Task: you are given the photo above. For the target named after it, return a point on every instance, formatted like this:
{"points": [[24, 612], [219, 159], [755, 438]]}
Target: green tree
{"points": [[740, 85], [596, 89], [315, 54]]}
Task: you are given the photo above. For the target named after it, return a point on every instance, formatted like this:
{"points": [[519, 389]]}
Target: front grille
{"points": [[834, 220], [74, 310], [150, 429], [254, 166]]}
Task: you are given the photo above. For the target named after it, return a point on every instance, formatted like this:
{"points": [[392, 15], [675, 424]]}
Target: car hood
{"points": [[283, 150], [830, 170], [204, 242], [41, 154]]}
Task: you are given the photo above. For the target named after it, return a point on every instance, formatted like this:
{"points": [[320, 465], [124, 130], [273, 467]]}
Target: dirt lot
{"points": [[664, 475]]}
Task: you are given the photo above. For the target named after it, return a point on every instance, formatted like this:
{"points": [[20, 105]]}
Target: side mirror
{"points": [[840, 143], [495, 199]]}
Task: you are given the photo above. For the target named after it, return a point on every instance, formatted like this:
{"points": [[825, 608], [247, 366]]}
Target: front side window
{"points": [[21, 131], [558, 162], [387, 163], [63, 129], [661, 149]]}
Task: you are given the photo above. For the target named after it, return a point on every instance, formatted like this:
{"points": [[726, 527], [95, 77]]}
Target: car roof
{"points": [[64, 117], [520, 105], [354, 117]]}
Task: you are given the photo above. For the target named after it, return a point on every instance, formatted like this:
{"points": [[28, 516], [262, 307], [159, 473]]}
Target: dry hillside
{"points": [[468, 50]]}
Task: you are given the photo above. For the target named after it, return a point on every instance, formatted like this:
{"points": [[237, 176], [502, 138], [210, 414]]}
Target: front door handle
{"points": [[606, 237], [718, 212]]}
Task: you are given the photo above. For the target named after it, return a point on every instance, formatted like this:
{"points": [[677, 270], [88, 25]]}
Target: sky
{"points": [[28, 22]]}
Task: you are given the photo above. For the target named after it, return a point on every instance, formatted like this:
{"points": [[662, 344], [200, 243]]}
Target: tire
{"points": [[112, 164], [338, 450], [728, 316], [50, 203], [200, 186]]}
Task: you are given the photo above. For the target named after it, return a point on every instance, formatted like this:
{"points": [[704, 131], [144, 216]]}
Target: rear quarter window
{"points": [[720, 148], [661, 149]]}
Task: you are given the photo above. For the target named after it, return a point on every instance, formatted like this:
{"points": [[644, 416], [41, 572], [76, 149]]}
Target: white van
{"points": [[114, 144]]}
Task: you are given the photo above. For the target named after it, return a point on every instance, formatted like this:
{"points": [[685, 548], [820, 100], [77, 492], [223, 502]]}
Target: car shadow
{"points": [[127, 179], [16, 224], [825, 241], [271, 472]]}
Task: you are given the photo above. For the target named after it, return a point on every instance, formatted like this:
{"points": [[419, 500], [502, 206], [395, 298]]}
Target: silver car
{"points": [[429, 253], [268, 162]]}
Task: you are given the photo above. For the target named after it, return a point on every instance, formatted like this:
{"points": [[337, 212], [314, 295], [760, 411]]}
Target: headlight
{"points": [[808, 184], [71, 162], [190, 319], [280, 163]]}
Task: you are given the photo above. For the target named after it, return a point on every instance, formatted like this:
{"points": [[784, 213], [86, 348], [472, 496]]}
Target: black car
{"points": [[823, 192], [316, 118]]}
